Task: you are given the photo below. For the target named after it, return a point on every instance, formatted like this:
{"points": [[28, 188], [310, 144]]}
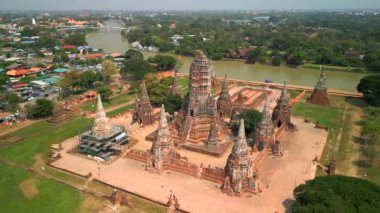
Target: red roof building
{"points": [[92, 56], [68, 47]]}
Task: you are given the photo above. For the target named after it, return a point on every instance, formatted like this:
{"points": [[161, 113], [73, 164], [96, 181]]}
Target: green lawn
{"points": [[327, 116], [334, 68], [38, 137], [118, 99], [50, 197], [120, 110]]}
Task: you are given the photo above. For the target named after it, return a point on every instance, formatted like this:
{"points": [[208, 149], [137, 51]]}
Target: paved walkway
{"points": [[279, 176]]}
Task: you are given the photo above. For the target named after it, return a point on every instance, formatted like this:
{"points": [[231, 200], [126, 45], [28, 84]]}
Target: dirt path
{"points": [[354, 147]]}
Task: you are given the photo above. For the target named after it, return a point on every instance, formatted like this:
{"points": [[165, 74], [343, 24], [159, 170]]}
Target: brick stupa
{"points": [[320, 94]]}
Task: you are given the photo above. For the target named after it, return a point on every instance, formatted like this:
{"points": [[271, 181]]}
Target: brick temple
{"points": [[143, 112], [192, 125], [320, 94], [282, 112], [239, 174]]}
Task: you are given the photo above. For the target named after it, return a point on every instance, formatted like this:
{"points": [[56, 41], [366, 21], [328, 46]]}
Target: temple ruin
{"points": [[224, 103], [282, 112], [239, 174], [264, 134], [142, 114], [162, 144], [176, 89], [320, 94], [191, 125], [104, 140]]}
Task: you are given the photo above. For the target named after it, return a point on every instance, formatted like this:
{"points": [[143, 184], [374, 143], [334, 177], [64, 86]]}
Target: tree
{"points": [[42, 108], [337, 193], [158, 89], [173, 103], [136, 69], [370, 87], [372, 61], [88, 78], [105, 92], [4, 78], [163, 62], [68, 83], [109, 69], [133, 54], [9, 101], [251, 118], [77, 39]]}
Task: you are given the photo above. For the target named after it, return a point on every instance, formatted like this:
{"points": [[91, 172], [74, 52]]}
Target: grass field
{"points": [[40, 195], [25, 191], [120, 110], [38, 137], [334, 68]]}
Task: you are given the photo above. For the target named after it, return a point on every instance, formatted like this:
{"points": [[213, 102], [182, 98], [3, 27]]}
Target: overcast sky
{"points": [[185, 4]]}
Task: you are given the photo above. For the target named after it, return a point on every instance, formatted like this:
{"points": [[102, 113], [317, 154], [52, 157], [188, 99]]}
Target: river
{"points": [[112, 41]]}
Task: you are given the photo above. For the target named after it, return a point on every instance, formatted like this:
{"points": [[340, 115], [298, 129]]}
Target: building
{"points": [[162, 144], [142, 113], [176, 89], [191, 126], [224, 103], [320, 94], [103, 140], [282, 112], [264, 135], [239, 176]]}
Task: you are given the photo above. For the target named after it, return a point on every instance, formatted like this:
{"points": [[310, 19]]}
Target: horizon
{"points": [[194, 5]]}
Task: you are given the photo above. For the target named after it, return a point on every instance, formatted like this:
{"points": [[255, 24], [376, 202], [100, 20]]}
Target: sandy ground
{"points": [[279, 175]]}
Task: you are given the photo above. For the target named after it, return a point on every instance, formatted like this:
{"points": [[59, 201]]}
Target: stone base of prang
{"points": [[320, 97], [204, 149]]}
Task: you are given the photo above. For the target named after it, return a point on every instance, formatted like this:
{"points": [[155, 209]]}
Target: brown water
{"points": [[112, 41]]}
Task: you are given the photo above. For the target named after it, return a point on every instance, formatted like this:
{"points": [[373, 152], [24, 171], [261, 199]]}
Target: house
{"points": [[230, 53], [61, 70], [68, 47], [353, 54], [92, 56], [14, 66]]}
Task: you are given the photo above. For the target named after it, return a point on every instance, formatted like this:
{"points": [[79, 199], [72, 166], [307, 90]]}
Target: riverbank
{"points": [[113, 41]]}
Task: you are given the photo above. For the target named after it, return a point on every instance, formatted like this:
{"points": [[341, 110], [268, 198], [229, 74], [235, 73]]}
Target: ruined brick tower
{"points": [[320, 94], [176, 89], [238, 169], [193, 123], [142, 113], [282, 112], [198, 100], [264, 135], [162, 143], [224, 103]]}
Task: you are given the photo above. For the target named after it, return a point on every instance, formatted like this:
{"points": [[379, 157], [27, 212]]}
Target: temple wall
{"points": [[213, 174], [138, 155]]}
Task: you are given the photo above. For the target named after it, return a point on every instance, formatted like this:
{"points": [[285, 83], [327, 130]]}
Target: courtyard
{"points": [[279, 176]]}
